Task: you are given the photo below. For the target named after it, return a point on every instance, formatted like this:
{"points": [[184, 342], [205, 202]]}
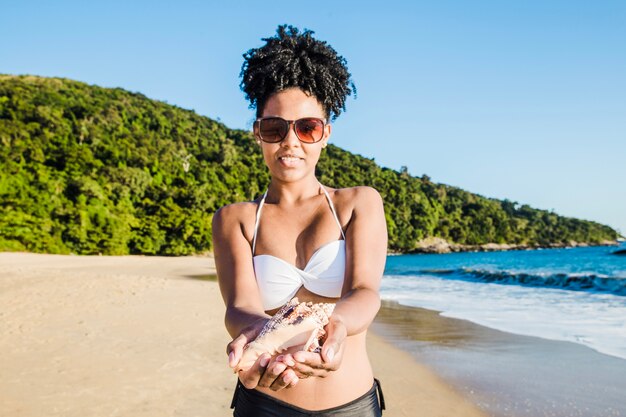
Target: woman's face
{"points": [[291, 160]]}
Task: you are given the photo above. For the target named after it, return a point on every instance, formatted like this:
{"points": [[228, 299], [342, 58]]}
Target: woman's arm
{"points": [[366, 253], [233, 261], [245, 316]]}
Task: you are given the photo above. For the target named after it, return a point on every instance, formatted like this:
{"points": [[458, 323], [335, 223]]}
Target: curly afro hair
{"points": [[294, 59]]}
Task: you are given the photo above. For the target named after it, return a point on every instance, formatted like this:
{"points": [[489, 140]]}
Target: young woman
{"points": [[301, 239]]}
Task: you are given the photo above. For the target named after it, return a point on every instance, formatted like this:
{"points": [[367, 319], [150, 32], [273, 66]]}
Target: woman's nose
{"points": [[291, 139]]}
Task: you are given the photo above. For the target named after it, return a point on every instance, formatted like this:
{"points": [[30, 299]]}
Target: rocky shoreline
{"points": [[439, 245]]}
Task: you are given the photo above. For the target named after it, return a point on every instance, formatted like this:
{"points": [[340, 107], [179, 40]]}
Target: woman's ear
{"points": [[255, 133], [328, 130]]}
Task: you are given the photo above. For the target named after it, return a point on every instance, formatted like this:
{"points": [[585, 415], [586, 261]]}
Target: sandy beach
{"points": [[144, 336]]}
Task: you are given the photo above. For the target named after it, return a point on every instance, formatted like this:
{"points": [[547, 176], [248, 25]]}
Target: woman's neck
{"points": [[293, 192]]}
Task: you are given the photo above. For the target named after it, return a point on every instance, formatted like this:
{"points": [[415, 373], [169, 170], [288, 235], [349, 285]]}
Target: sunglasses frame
{"points": [[290, 123]]}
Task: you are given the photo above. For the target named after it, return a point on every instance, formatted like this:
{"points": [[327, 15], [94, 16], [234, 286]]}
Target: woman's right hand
{"points": [[266, 371], [235, 348]]}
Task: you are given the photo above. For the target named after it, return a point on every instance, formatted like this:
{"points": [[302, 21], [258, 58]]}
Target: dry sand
{"points": [[144, 336]]}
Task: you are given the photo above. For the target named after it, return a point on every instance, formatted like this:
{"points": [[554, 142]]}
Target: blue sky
{"points": [[524, 100]]}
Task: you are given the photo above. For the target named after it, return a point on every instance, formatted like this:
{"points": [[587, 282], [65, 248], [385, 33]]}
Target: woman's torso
{"points": [[313, 270]]}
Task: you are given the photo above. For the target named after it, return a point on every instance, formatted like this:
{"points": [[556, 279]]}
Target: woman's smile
{"points": [[290, 161]]}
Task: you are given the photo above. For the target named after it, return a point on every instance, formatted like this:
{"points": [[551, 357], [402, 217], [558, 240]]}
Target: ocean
{"points": [[521, 333], [570, 294]]}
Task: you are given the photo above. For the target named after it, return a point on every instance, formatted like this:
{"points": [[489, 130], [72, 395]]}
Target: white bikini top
{"points": [[279, 281]]}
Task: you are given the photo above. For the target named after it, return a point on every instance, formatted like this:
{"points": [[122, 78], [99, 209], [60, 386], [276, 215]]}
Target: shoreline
{"points": [[144, 336], [506, 374]]}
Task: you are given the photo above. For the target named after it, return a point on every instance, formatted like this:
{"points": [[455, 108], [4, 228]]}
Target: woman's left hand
{"points": [[321, 364]]}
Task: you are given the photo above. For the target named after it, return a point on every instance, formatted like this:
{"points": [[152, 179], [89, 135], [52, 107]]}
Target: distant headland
{"points": [[438, 245]]}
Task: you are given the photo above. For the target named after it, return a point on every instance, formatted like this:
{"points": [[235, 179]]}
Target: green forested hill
{"points": [[87, 170]]}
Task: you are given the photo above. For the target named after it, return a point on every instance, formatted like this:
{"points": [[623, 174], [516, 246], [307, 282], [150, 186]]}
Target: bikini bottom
{"points": [[252, 403]]}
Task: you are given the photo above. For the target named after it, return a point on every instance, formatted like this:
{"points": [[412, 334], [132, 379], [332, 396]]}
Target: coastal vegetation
{"points": [[88, 170]]}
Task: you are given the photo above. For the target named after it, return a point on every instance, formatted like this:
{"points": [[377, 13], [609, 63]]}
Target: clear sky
{"points": [[524, 100]]}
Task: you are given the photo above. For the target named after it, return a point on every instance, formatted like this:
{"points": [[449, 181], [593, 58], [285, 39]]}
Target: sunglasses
{"points": [[275, 129]]}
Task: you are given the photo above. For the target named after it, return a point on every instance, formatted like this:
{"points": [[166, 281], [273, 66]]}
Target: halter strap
{"points": [[332, 208], [256, 222], [260, 208]]}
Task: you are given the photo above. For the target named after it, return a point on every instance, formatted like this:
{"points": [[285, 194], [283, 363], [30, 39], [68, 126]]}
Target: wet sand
{"points": [[507, 374], [144, 336]]}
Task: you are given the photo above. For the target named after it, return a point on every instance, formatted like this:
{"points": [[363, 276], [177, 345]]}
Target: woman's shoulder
{"points": [[356, 201], [362, 202], [358, 195], [235, 213]]}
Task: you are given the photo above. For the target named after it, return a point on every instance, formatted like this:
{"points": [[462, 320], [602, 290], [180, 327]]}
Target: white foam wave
{"points": [[592, 319]]}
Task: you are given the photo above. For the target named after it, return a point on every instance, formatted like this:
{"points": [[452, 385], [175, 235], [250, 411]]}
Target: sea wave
{"points": [[567, 281]]}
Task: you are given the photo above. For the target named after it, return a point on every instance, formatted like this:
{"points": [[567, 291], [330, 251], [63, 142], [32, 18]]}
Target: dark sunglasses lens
{"points": [[310, 129], [273, 129]]}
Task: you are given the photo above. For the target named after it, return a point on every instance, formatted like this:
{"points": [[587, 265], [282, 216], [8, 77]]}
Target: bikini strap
{"points": [[256, 222], [332, 208]]}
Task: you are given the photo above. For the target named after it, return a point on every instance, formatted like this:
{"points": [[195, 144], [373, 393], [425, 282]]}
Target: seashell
{"points": [[296, 326]]}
